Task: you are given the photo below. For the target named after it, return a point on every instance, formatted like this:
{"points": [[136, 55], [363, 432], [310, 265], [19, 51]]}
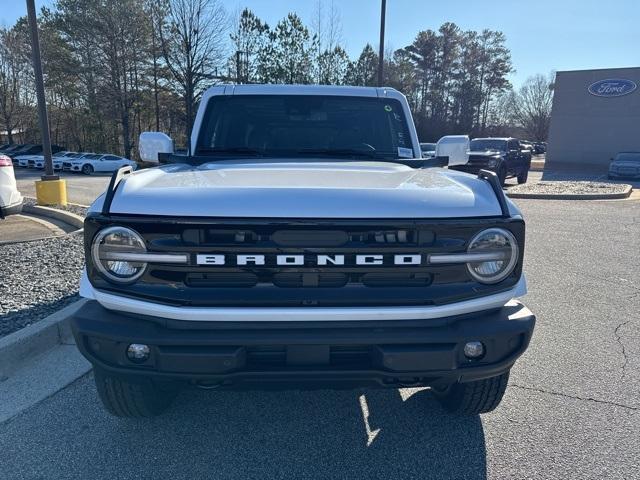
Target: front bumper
{"points": [[342, 354]]}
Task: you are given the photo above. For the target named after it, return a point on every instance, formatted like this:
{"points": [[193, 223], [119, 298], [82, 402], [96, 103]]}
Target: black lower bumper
{"points": [[305, 354]]}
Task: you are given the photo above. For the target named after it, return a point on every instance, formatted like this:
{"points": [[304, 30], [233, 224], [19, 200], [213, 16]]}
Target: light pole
{"points": [[42, 106], [50, 190], [383, 9]]}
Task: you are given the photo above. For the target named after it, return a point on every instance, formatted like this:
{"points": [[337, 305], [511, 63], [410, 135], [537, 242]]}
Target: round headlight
{"points": [[113, 252], [497, 252]]}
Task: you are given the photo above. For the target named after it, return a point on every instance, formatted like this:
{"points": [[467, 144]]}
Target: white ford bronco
{"points": [[301, 243]]}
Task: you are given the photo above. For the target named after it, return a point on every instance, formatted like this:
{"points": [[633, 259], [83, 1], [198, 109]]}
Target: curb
{"points": [[20, 347], [62, 215], [68, 203], [573, 196]]}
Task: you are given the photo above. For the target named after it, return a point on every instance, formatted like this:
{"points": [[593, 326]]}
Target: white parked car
{"points": [[23, 160], [97, 162], [38, 160], [59, 161], [10, 198]]}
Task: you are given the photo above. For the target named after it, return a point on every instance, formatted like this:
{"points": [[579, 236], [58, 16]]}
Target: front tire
{"points": [[132, 400], [522, 177], [502, 175], [473, 398], [87, 169]]}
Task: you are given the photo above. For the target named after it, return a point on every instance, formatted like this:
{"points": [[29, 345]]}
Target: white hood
{"points": [[285, 189]]}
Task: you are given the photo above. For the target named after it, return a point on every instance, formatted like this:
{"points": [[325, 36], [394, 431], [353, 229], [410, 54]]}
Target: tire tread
{"points": [[133, 400], [477, 397]]}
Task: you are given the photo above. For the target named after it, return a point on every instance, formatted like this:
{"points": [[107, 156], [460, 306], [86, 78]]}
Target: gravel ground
{"points": [[571, 188], [37, 279]]}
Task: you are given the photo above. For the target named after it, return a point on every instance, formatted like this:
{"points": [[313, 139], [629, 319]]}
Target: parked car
{"points": [[428, 150], [526, 146], [17, 151], [539, 148], [302, 251], [503, 156], [29, 152], [22, 161], [58, 162], [10, 198], [11, 148], [38, 160], [97, 162], [527, 152], [625, 165]]}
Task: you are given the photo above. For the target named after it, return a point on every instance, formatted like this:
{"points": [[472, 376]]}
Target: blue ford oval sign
{"points": [[612, 87]]}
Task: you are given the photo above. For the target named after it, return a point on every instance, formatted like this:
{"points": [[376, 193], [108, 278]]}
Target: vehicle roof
{"points": [[274, 89], [329, 90]]}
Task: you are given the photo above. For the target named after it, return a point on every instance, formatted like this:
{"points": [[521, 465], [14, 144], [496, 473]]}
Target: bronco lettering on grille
{"points": [[404, 259]]}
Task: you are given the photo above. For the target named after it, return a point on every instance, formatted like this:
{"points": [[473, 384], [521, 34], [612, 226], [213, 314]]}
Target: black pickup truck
{"points": [[500, 155]]}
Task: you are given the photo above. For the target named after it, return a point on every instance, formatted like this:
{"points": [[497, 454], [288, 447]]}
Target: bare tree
{"points": [[330, 59], [193, 40], [13, 80], [532, 106]]}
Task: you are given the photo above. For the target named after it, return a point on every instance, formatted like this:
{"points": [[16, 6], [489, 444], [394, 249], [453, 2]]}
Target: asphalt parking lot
{"points": [[81, 189], [572, 409]]}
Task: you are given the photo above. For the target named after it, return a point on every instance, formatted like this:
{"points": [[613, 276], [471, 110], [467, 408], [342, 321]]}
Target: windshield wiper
{"points": [[241, 150], [339, 152]]}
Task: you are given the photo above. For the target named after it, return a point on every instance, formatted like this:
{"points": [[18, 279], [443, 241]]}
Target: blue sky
{"points": [[543, 35]]}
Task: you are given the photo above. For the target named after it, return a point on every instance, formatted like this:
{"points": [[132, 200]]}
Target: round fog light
{"points": [[473, 350], [138, 352]]}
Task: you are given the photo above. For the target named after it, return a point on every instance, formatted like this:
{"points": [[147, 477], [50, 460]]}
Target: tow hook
{"points": [[204, 385]]}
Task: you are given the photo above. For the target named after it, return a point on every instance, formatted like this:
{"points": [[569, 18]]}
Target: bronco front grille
{"points": [[308, 282]]}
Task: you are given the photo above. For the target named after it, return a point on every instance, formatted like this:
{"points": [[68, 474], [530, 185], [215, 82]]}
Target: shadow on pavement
{"points": [[315, 435], [321, 434]]}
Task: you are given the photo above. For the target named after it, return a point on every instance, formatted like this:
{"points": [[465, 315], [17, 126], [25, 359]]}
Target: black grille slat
{"points": [[345, 356], [310, 280], [313, 238], [221, 280], [396, 279]]}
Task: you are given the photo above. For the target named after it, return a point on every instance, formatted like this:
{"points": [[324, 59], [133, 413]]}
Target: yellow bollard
{"points": [[51, 192]]}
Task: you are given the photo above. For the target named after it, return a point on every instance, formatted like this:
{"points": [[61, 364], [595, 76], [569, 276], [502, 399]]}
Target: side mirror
{"points": [[455, 148], [153, 143]]}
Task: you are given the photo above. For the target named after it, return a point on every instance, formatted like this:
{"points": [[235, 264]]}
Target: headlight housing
{"points": [[114, 251], [497, 251]]}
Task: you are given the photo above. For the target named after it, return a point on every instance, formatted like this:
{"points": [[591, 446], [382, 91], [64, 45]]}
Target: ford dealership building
{"points": [[596, 114]]}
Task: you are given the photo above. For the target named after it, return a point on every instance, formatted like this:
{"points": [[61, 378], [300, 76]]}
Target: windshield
{"points": [[628, 157], [481, 145], [304, 126]]}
